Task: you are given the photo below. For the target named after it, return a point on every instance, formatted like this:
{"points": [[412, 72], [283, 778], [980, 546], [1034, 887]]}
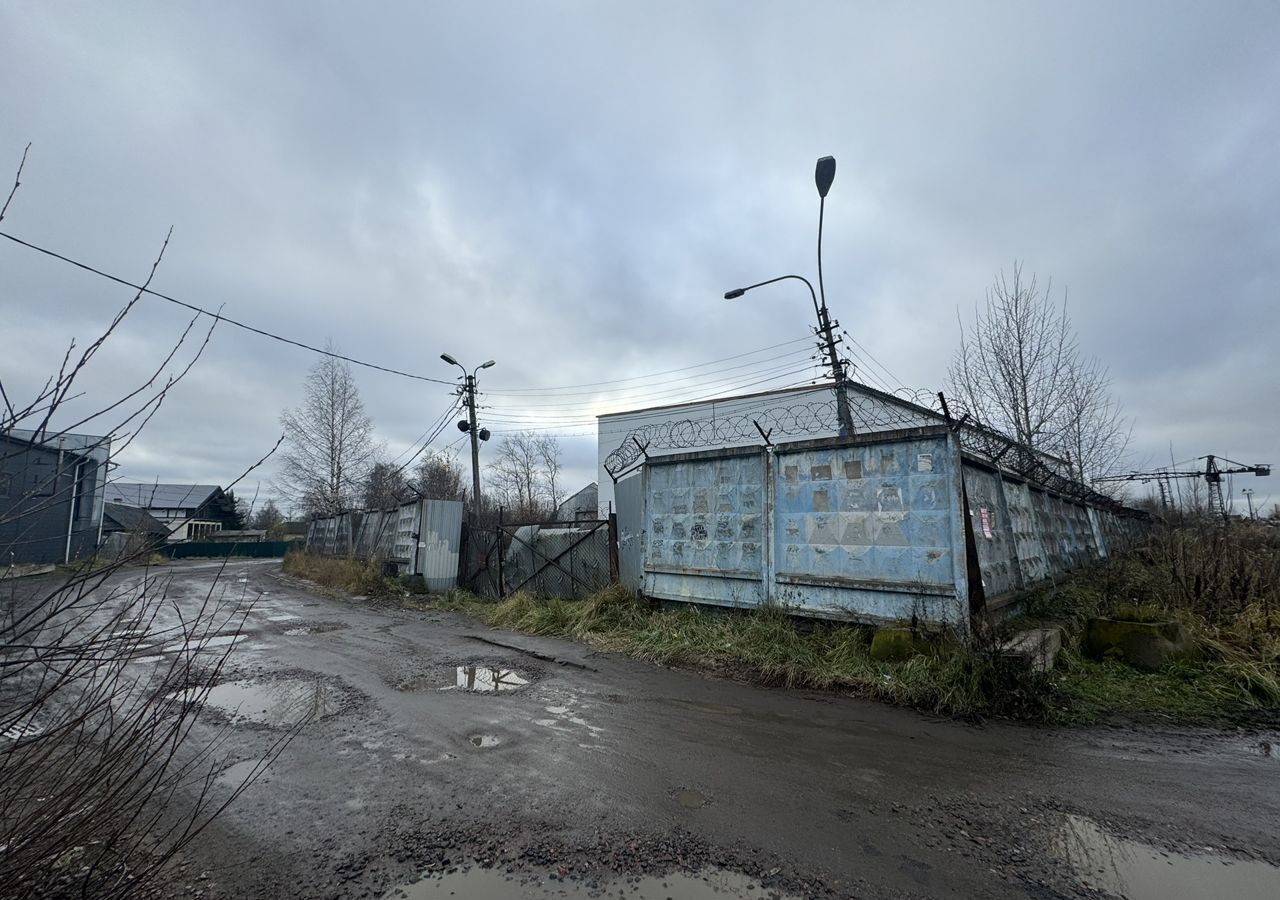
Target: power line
{"points": [[691, 390], [556, 394], [434, 426], [578, 422], [218, 316], [652, 374], [715, 390]]}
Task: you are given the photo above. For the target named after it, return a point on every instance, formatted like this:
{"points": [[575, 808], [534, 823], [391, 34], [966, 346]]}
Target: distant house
{"points": [[238, 536], [51, 495], [582, 505], [127, 530], [189, 511]]}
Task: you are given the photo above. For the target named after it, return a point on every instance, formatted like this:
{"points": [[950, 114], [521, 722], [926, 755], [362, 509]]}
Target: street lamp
{"points": [[824, 174], [1248, 495], [469, 425]]}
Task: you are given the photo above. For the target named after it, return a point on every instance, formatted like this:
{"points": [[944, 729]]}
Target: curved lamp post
{"points": [[824, 174]]}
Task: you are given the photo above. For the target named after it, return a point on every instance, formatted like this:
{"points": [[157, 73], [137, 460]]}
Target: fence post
{"points": [[502, 585], [613, 546]]}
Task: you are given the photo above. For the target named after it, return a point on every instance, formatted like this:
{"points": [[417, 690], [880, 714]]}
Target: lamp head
{"points": [[488, 364], [824, 173], [734, 294], [449, 359]]}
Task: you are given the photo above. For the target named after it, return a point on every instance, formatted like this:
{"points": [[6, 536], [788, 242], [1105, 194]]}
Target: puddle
{"points": [[1140, 871], [690, 799], [485, 740], [489, 679], [235, 775], [282, 703], [221, 640], [487, 884], [23, 728]]}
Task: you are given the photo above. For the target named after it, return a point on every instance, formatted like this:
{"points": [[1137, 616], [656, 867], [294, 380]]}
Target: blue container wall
{"points": [[868, 529]]}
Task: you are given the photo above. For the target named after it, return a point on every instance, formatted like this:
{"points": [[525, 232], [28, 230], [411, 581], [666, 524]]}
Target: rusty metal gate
{"points": [[480, 565]]}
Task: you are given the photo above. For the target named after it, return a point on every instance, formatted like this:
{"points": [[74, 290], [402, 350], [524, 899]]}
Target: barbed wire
{"points": [[872, 411], [869, 414]]}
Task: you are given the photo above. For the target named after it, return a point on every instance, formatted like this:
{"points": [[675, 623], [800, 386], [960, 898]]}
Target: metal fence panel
{"points": [[629, 496], [440, 537]]}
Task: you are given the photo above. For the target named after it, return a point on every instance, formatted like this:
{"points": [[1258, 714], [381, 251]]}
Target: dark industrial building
{"points": [[51, 496]]}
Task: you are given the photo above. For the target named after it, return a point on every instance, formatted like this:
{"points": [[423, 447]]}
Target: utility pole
{"points": [[477, 434], [470, 389]]}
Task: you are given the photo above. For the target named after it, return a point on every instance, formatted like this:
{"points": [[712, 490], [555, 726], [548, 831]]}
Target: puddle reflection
{"points": [[489, 679], [283, 703], [1140, 871]]}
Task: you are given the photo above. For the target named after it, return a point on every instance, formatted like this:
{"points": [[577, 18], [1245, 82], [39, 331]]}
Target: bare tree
{"points": [[525, 474], [1012, 366], [439, 477], [385, 486], [1091, 434], [99, 785], [1019, 370], [329, 442], [549, 453], [268, 518]]}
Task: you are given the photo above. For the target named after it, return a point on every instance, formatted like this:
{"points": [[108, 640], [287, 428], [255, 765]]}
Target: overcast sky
{"points": [[569, 188]]}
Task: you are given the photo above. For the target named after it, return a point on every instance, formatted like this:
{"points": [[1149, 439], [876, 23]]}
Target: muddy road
{"points": [[436, 747]]}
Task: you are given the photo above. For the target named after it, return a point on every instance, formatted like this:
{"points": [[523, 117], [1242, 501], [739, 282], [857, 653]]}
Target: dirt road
{"points": [[574, 768]]}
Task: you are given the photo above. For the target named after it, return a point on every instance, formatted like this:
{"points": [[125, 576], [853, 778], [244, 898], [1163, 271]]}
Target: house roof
{"points": [[161, 496], [130, 518]]}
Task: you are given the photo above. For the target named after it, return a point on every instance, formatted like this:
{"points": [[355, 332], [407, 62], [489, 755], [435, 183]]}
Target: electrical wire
{"points": [[217, 316], [694, 391], [653, 374]]}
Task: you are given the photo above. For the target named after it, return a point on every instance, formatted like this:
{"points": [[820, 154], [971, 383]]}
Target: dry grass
{"points": [[352, 576]]}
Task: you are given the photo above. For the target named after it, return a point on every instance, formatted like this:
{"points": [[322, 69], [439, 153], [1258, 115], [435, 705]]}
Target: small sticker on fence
{"points": [[986, 523], [924, 462]]}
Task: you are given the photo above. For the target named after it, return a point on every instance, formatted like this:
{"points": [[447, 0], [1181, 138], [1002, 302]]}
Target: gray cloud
{"points": [[570, 188]]}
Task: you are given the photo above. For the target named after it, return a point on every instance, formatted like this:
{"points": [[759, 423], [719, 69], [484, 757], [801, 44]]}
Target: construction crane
{"points": [[1212, 475]]}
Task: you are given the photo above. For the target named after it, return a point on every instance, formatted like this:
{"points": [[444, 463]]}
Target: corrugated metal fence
{"points": [[419, 538]]}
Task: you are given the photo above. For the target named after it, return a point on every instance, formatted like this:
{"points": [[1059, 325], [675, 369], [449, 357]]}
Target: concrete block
{"points": [[893, 644], [1143, 645], [1036, 647]]}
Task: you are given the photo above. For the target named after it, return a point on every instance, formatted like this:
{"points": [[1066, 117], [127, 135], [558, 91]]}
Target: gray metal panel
{"points": [[440, 541], [629, 498], [993, 531]]}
